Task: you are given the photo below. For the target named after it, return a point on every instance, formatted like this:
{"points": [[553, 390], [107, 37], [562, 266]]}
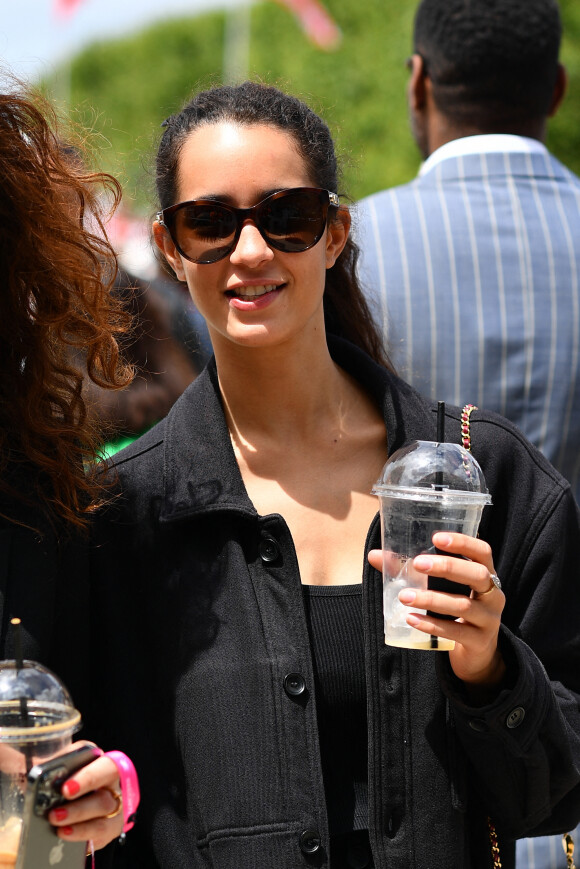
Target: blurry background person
{"points": [[162, 347], [162, 351], [472, 269]]}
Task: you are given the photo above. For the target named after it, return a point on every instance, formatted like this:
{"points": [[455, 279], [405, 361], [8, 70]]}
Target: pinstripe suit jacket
{"points": [[472, 271]]}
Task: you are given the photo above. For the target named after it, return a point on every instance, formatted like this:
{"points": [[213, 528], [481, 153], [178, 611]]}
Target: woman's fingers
{"points": [[102, 772], [474, 569], [475, 619], [93, 807]]}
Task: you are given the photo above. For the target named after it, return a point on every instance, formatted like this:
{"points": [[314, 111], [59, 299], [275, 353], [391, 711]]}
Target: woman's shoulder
{"points": [[502, 445]]}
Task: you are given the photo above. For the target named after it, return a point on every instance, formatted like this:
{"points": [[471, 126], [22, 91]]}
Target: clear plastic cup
{"points": [[37, 721], [423, 488]]}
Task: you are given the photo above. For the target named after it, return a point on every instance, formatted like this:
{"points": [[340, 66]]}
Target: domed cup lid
{"points": [[34, 703], [428, 470]]}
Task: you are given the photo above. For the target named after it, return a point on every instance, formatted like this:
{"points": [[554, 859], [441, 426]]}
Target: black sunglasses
{"points": [[205, 231]]}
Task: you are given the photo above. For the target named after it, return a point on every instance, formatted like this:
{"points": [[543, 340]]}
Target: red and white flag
{"points": [[65, 8], [315, 20]]}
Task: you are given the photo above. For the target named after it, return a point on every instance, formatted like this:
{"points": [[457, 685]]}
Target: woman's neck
{"points": [[283, 391]]}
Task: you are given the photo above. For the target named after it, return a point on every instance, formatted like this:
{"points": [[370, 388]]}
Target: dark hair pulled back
{"points": [[251, 103]]}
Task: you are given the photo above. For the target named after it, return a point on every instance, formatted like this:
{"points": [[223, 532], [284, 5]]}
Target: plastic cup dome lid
{"points": [[33, 698], [32, 681], [429, 469]]}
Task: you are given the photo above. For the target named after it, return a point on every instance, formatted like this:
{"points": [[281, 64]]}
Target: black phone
{"points": [[39, 845]]}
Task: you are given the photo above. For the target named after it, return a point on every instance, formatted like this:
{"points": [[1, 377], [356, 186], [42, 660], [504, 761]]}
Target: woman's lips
{"points": [[250, 293]]}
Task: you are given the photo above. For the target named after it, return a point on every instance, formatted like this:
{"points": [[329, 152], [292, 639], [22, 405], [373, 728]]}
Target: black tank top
{"points": [[334, 615]]}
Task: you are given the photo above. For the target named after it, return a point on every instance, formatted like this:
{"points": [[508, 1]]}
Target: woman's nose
{"points": [[251, 249]]}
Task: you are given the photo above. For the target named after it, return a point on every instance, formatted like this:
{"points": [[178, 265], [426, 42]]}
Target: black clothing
{"points": [[44, 583], [351, 851], [334, 618], [205, 674]]}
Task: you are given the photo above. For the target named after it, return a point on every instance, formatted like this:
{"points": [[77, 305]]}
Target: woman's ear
{"points": [[337, 235], [168, 249]]}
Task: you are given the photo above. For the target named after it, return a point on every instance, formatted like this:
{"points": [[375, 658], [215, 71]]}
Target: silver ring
{"points": [[495, 583]]}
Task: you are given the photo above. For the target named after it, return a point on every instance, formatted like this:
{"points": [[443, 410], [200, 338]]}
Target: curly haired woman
{"points": [[56, 273]]}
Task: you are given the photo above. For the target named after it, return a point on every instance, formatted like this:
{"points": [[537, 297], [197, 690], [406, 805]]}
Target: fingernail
{"points": [[67, 831], [423, 562], [443, 539], [407, 595], [60, 814], [71, 788], [413, 620]]}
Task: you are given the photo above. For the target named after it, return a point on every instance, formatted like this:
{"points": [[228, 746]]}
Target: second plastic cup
{"points": [[424, 487], [37, 721]]}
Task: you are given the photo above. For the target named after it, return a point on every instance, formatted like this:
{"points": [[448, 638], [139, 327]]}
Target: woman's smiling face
{"points": [[256, 296]]}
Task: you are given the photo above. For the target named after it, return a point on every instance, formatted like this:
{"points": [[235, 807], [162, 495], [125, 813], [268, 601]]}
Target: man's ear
{"points": [[416, 89], [559, 90], [168, 249], [337, 235]]}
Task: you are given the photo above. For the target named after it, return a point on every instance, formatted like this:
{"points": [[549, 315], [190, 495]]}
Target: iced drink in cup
{"points": [[423, 488], [37, 721]]}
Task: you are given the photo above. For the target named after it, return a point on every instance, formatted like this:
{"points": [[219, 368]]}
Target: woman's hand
{"points": [[94, 809], [476, 659]]}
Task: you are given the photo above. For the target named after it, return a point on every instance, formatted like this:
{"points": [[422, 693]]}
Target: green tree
{"points": [[124, 88]]}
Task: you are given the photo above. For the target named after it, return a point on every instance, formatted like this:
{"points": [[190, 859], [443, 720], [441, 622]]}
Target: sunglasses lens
{"points": [[293, 221], [204, 232]]}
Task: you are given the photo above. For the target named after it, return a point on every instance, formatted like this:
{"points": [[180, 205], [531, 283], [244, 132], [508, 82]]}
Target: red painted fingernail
{"points": [[67, 831], [71, 788], [60, 814]]}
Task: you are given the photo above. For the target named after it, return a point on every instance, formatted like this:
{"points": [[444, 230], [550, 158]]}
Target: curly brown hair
{"points": [[56, 272]]}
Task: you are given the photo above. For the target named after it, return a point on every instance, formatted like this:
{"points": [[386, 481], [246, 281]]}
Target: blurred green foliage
{"points": [[123, 89]]}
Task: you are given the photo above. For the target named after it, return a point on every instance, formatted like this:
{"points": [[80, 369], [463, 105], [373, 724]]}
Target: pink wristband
{"points": [[129, 786]]}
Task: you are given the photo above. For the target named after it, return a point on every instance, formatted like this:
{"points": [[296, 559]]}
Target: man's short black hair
{"points": [[490, 60]]}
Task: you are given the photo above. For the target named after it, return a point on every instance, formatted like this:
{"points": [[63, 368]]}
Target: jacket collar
{"points": [[489, 143], [486, 165], [201, 474]]}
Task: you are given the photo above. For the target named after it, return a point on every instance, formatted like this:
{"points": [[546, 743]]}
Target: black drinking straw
{"points": [[434, 641], [440, 440], [17, 625]]}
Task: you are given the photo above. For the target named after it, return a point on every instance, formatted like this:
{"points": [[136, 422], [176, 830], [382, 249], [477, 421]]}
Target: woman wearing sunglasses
{"points": [[245, 668]]}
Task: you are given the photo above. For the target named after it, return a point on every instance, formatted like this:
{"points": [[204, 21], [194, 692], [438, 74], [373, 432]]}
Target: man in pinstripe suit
{"points": [[473, 268]]}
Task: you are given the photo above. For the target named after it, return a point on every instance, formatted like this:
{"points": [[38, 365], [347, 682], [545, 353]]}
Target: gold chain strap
{"points": [[568, 846], [494, 844], [466, 444], [465, 428]]}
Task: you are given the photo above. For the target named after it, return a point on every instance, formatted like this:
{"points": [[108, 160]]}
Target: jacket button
{"points": [[309, 841], [515, 717], [268, 548], [478, 725], [393, 822], [294, 684]]}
